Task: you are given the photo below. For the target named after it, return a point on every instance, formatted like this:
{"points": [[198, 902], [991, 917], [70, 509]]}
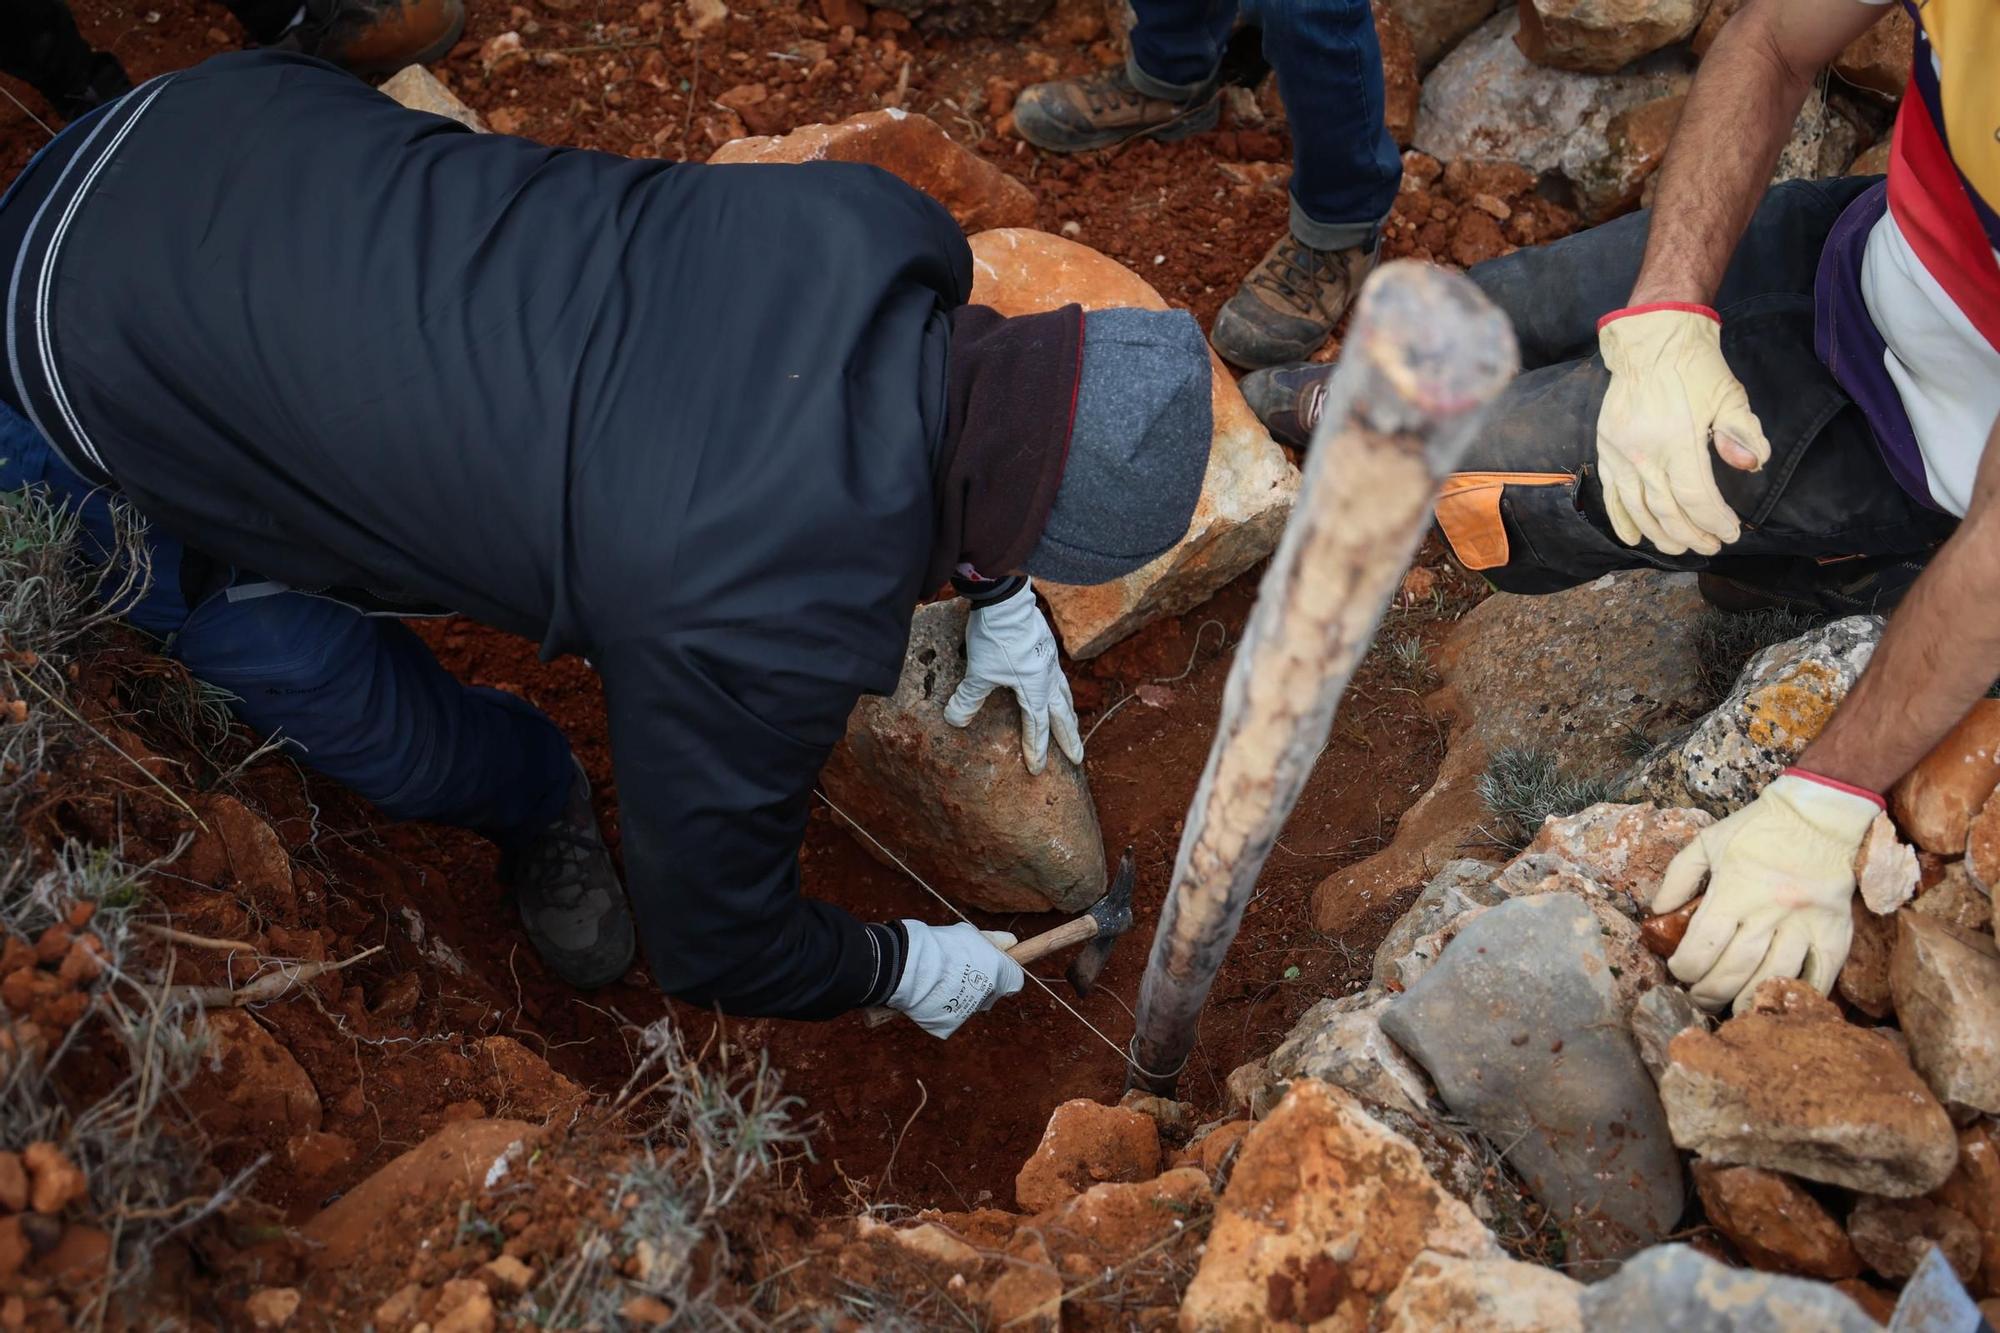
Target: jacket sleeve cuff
{"points": [[892, 946], [985, 592]]}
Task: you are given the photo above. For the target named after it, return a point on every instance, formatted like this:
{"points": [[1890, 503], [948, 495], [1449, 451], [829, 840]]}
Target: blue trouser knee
{"points": [[360, 698], [1345, 167]]}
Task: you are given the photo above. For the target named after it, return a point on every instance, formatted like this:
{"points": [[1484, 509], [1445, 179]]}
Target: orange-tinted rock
{"points": [[1324, 1213], [1401, 83], [14, 1248], [459, 1158], [1982, 847], [1622, 848], [1864, 978], [1893, 1235], [1028, 1296], [1773, 1222], [1441, 1294], [1876, 1303], [1635, 144], [1879, 60], [1246, 495], [1974, 1193], [13, 1183], [249, 849], [914, 147], [249, 1084], [1872, 160], [1111, 1224], [317, 1156], [54, 1182], [81, 1251], [1809, 1094], [1087, 1144], [524, 1083], [1935, 802], [1955, 899]]}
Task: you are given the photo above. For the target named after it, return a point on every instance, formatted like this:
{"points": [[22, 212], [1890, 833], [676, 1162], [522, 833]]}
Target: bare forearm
{"points": [[1940, 654], [1738, 116]]}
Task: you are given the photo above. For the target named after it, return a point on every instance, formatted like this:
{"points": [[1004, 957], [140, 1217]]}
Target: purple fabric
{"points": [[1849, 345]]}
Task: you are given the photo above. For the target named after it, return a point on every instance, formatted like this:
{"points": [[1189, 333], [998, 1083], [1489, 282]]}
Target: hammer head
{"points": [[1113, 915]]}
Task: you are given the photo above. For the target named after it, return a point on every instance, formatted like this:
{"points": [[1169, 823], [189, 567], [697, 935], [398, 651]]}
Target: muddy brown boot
{"points": [[1289, 304], [376, 36], [569, 897], [1072, 115]]}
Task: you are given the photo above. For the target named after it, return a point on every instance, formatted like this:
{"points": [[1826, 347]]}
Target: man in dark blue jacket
{"points": [[718, 429]]}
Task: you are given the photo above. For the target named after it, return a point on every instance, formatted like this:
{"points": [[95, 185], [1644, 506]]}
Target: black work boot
{"points": [[1290, 302], [376, 36], [569, 896], [1288, 399], [1099, 110]]}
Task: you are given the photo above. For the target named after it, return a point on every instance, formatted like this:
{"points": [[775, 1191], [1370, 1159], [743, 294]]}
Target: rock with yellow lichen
{"points": [[1778, 705]]}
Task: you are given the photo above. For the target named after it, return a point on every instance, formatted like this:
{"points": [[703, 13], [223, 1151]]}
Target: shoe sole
{"points": [[1197, 121], [430, 55], [1226, 324]]}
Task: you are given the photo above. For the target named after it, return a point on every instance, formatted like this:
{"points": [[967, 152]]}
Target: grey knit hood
{"points": [[1138, 447]]}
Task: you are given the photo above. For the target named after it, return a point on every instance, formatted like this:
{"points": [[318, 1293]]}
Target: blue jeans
{"points": [[1345, 168], [359, 698]]}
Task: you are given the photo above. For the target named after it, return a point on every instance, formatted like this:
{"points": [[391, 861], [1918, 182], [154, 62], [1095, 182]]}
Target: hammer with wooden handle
{"points": [[1096, 930]]}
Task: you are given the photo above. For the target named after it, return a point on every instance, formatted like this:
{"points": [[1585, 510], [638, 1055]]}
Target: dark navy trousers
{"points": [[1345, 167], [358, 698]]}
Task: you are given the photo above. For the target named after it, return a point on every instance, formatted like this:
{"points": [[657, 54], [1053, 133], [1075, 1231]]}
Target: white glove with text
{"points": [[953, 972], [1780, 876], [1009, 645]]}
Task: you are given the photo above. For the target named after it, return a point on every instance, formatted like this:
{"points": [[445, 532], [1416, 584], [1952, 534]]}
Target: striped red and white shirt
{"points": [[1908, 294]]}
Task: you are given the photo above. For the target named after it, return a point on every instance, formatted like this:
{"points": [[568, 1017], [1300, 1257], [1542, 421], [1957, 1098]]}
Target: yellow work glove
{"points": [[1671, 395], [1780, 874]]}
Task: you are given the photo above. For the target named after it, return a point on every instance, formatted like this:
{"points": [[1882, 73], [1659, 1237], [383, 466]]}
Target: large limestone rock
{"points": [[1936, 801], [970, 18], [418, 89], [1778, 705], [1625, 646], [1774, 1223], [1436, 26], [914, 147], [1341, 1042], [1602, 36], [1893, 1235], [1441, 1294], [1660, 1015], [1520, 1026], [1675, 1289], [1324, 1212], [958, 804], [1623, 848], [1946, 984], [1250, 486], [1974, 1192], [1800, 1090], [1488, 101], [1418, 938]]}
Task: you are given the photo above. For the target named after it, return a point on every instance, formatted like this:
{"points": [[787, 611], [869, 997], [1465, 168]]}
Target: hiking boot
{"points": [[1072, 115], [569, 897], [376, 36], [1289, 304], [1288, 399]]}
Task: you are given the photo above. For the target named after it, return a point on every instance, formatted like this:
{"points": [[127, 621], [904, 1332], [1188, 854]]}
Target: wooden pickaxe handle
{"points": [[1033, 949]]}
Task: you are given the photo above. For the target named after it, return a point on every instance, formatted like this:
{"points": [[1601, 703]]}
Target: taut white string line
{"points": [[1122, 1052]]}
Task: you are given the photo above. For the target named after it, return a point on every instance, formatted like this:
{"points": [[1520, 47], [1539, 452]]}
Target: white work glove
{"points": [[1780, 876], [1671, 396], [1009, 645], [951, 973]]}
